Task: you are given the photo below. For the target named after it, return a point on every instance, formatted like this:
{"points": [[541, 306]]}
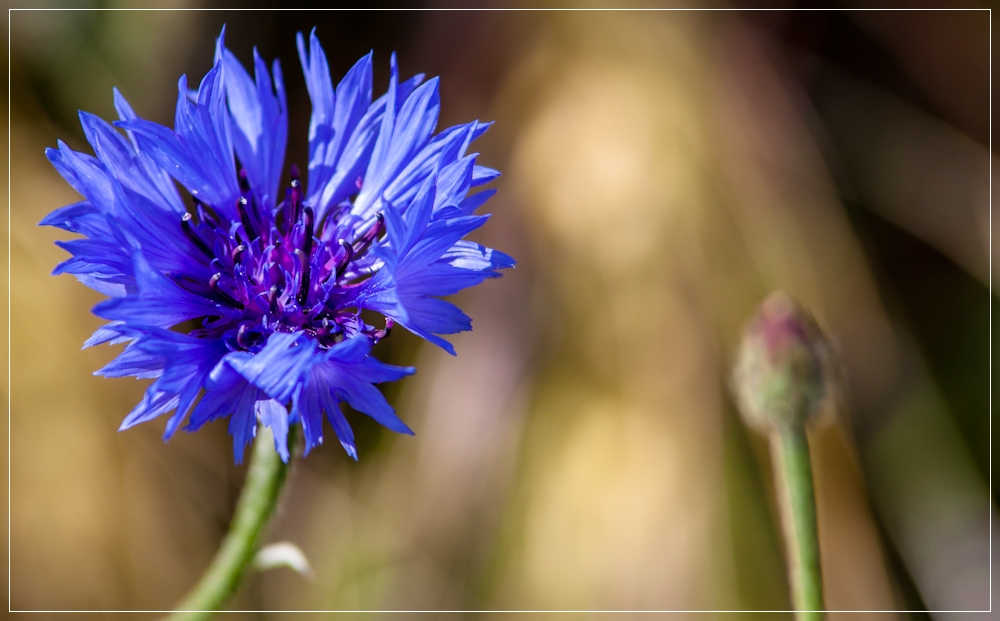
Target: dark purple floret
{"points": [[261, 264]]}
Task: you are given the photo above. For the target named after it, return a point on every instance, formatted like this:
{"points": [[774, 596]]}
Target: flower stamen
{"points": [[193, 236], [241, 336], [378, 335], [213, 284], [348, 257], [241, 207], [237, 254], [303, 293], [362, 243], [272, 299]]}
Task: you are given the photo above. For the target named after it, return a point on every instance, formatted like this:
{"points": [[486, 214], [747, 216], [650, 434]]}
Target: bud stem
{"points": [[265, 478], [794, 485]]}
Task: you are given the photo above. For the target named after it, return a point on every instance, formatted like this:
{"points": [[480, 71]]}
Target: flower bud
{"points": [[783, 371]]}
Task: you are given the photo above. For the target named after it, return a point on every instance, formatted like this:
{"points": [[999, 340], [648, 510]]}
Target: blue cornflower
{"points": [[251, 297]]}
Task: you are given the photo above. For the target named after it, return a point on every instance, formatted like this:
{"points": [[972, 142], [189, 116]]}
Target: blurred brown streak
{"points": [[948, 56]]}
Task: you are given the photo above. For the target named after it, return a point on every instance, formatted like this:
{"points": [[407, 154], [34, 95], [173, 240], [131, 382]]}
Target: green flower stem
{"points": [[794, 482], [265, 478]]}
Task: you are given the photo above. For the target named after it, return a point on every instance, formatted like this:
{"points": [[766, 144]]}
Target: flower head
{"points": [[784, 373], [245, 300]]}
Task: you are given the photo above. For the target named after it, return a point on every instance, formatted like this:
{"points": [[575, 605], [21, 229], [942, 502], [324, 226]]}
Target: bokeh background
{"points": [[662, 173]]}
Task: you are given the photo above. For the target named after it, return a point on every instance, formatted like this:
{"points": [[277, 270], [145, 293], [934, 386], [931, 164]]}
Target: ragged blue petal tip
{"points": [[351, 451]]}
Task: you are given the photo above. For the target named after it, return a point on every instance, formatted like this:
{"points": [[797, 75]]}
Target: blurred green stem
{"points": [[793, 478], [265, 478]]}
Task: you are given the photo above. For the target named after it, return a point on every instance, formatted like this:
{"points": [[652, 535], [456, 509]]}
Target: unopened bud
{"points": [[783, 371]]}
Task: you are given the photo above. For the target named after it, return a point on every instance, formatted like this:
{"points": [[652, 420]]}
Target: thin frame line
{"points": [[501, 9], [10, 590], [559, 610], [990, 400]]}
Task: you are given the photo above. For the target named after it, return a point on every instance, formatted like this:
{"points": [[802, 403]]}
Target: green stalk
{"points": [[794, 483], [265, 478]]}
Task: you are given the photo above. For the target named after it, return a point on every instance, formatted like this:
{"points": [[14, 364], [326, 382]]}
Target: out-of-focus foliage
{"points": [[665, 171]]}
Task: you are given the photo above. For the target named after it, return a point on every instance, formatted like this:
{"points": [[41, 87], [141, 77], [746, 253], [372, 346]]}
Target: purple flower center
{"points": [[282, 271]]}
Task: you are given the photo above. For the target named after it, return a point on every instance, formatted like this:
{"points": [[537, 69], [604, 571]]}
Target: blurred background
{"points": [[662, 173]]}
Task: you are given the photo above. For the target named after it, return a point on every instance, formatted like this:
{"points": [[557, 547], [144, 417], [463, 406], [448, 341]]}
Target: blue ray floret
{"points": [[245, 301]]}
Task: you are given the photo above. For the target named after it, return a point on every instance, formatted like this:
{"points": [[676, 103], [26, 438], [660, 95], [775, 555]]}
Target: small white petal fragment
{"points": [[282, 554]]}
